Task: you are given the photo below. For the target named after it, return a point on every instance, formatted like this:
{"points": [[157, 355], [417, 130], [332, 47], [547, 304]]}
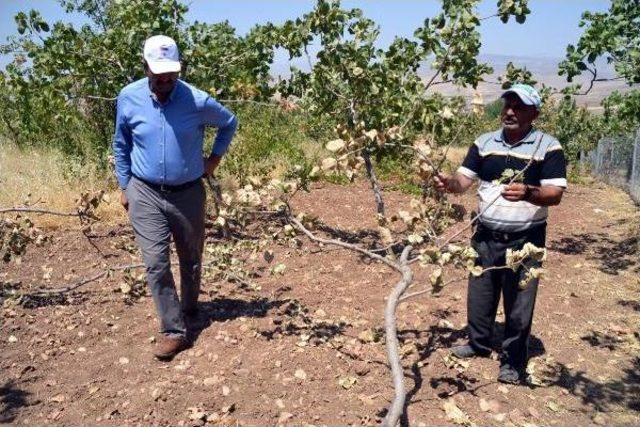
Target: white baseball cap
{"points": [[527, 94], [161, 53]]}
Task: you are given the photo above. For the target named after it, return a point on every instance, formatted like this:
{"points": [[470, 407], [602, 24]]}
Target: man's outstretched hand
{"points": [[442, 181]]}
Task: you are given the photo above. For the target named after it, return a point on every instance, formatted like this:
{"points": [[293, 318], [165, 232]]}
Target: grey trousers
{"points": [[484, 295], [157, 216]]}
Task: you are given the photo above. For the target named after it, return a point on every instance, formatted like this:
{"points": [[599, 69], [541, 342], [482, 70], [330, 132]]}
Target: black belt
{"points": [[164, 188], [505, 236]]}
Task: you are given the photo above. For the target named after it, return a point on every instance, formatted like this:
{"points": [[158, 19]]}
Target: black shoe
{"points": [[463, 351], [510, 375]]}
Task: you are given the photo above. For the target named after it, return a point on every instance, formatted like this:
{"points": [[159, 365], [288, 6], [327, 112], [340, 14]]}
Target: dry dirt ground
{"points": [[303, 347]]}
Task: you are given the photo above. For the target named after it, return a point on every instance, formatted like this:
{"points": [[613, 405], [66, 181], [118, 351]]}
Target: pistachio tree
{"points": [[613, 36]]}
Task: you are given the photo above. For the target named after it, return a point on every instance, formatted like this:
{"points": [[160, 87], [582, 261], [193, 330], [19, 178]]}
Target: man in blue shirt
{"points": [[158, 146]]}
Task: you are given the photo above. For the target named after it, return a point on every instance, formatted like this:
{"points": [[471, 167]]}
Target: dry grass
{"points": [[30, 176]]}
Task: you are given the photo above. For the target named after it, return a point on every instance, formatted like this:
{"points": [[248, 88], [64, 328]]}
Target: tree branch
{"points": [[342, 244], [40, 211], [391, 332]]}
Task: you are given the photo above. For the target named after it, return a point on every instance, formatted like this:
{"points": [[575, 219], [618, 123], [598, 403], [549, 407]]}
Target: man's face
{"points": [[517, 116], [163, 83]]}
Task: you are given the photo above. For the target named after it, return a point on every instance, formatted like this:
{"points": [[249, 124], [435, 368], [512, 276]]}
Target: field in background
{"points": [[48, 180]]}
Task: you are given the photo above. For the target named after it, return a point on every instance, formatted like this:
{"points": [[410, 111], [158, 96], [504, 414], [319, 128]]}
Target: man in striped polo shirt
{"points": [[510, 216]]}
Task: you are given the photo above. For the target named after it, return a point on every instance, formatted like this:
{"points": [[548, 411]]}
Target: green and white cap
{"points": [[527, 94]]}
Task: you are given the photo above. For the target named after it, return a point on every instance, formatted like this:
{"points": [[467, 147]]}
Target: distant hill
{"points": [[545, 71]]}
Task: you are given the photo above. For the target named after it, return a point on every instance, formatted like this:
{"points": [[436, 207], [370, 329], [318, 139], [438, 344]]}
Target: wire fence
{"points": [[616, 161]]}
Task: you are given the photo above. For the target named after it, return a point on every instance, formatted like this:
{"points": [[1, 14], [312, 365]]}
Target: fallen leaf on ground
{"points": [[347, 382], [455, 414], [553, 406]]}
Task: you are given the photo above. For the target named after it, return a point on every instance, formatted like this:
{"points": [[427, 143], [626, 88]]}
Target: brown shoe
{"points": [[168, 347]]}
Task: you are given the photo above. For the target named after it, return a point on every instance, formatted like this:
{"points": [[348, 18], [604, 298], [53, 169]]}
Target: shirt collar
{"points": [[172, 95], [529, 138]]}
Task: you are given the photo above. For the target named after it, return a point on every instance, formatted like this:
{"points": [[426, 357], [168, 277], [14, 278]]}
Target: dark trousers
{"points": [[484, 295], [156, 216]]}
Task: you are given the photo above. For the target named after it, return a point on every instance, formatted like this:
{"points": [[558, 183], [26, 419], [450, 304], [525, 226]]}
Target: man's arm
{"points": [[464, 177], [457, 183], [545, 195], [122, 145], [214, 114], [553, 181]]}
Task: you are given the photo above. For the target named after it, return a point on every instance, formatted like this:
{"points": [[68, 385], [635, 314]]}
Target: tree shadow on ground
{"points": [[291, 318], [633, 304], [603, 395], [223, 309], [11, 400], [441, 336], [612, 255], [353, 237]]}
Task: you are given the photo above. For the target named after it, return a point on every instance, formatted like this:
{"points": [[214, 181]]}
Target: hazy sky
{"points": [[550, 27]]}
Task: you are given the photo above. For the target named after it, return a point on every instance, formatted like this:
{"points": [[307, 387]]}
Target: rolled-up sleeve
{"points": [[214, 114], [122, 145]]}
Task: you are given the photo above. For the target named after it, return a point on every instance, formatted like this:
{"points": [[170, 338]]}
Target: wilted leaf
{"points": [[278, 269], [415, 239], [347, 382], [335, 146], [553, 406], [455, 414], [329, 163], [125, 288]]}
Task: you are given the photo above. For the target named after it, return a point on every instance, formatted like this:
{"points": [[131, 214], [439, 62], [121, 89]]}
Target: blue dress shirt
{"points": [[162, 143]]}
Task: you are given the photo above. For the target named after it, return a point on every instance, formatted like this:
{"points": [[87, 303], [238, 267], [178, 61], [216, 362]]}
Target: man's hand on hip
{"points": [[515, 192], [210, 164], [124, 201]]}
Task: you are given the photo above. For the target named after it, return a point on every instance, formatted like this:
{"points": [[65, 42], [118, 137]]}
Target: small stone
{"points": [[225, 390], [123, 361], [211, 381], [300, 374], [156, 393], [321, 313], [58, 398], [198, 415], [280, 403], [599, 419], [12, 339], [284, 417], [503, 389], [533, 412], [445, 324], [362, 369], [516, 416]]}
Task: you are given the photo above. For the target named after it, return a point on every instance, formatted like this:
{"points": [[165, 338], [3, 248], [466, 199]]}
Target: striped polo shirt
{"points": [[490, 156]]}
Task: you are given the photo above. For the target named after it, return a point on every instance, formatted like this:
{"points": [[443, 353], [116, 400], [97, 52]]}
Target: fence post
{"points": [[634, 182]]}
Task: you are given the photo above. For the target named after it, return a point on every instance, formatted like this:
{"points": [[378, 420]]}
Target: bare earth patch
{"points": [[305, 347]]}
